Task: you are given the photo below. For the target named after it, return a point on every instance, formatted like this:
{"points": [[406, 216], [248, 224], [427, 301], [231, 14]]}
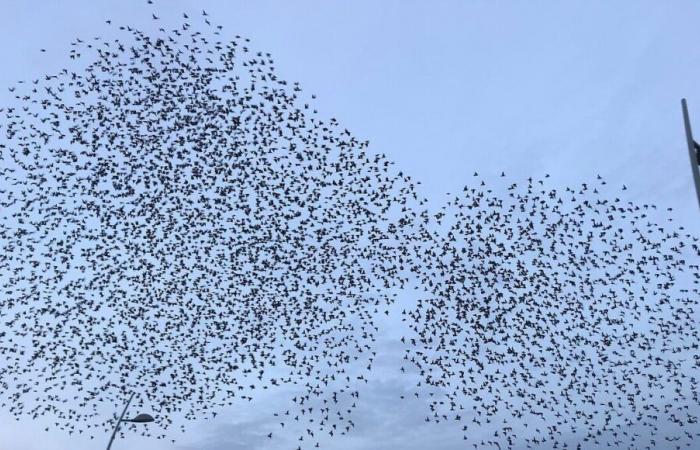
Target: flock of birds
{"points": [[177, 221], [569, 321]]}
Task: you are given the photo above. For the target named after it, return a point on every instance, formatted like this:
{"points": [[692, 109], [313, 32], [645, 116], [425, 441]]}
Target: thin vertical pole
{"points": [[694, 164], [116, 427]]}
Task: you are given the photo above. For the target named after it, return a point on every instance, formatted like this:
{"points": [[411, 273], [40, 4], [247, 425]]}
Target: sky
{"points": [[443, 88]]}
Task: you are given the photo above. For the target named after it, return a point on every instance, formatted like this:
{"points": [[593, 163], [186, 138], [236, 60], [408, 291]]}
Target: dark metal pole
{"points": [[694, 163], [116, 427]]}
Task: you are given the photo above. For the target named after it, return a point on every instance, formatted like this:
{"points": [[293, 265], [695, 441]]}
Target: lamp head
{"points": [[141, 418]]}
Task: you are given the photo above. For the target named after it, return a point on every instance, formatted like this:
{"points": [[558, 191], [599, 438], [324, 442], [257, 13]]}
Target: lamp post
{"points": [[693, 150], [141, 418]]}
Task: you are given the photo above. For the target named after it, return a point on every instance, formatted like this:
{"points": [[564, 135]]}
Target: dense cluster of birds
{"points": [[561, 319], [173, 215], [177, 221]]}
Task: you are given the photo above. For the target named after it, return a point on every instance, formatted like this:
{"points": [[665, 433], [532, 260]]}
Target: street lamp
{"points": [[141, 418], [693, 150]]}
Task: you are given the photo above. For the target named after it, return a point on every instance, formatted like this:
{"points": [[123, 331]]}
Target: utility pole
{"points": [[693, 150]]}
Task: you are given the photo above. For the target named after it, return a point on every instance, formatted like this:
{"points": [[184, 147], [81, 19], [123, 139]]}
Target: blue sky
{"points": [[443, 88]]}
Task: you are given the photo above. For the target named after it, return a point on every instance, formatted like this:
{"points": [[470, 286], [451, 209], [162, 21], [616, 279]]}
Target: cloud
{"points": [[246, 435]]}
